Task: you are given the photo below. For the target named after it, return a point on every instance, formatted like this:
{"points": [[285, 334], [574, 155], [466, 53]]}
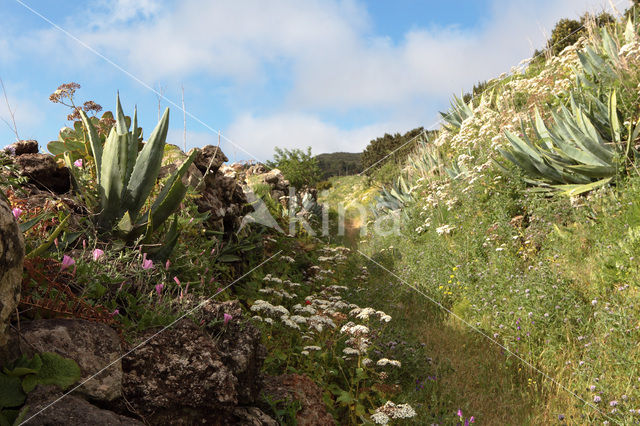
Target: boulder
{"points": [[239, 345], [22, 147], [223, 198], [47, 409], [92, 345], [210, 157], [11, 258], [178, 377], [250, 416], [302, 389], [43, 171], [172, 158]]}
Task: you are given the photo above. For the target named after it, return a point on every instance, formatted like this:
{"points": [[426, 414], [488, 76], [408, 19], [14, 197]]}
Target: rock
{"points": [[239, 345], [92, 345], [250, 416], [302, 389], [257, 169], [210, 156], [178, 376], [22, 147], [172, 158], [69, 411], [11, 258], [43, 171], [221, 195]]}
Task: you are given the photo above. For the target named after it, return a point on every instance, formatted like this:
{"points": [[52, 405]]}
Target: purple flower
{"points": [[597, 399], [17, 212], [97, 253], [67, 262], [78, 163], [227, 318], [613, 403], [146, 263], [159, 288]]}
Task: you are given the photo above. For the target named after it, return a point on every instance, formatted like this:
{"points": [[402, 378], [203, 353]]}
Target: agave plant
{"points": [[574, 155], [393, 198], [459, 111], [425, 161], [598, 61], [126, 177]]}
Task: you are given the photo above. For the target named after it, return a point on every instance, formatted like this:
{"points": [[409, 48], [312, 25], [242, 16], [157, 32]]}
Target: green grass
{"points": [[555, 283]]}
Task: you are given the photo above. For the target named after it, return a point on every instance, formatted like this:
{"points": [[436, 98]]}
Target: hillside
{"points": [[513, 251], [339, 163], [485, 274]]}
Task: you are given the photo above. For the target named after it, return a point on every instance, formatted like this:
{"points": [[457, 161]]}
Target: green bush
{"points": [[298, 167]]}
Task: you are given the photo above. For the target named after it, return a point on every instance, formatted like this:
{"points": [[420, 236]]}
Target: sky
{"points": [[289, 73]]}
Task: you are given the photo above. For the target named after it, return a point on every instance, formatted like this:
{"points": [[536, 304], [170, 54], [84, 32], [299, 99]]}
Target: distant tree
{"points": [[297, 166], [565, 33], [382, 147], [339, 163], [568, 31]]}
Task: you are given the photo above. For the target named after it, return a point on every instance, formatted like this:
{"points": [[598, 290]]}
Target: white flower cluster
{"points": [[365, 313], [268, 308], [389, 411], [386, 361]]}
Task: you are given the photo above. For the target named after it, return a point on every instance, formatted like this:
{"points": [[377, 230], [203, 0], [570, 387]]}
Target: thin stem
{"points": [[13, 127]]}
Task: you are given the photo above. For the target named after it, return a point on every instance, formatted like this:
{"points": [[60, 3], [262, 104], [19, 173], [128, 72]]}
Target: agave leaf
{"points": [[146, 169], [110, 187], [609, 45], [613, 117], [629, 32], [121, 122], [593, 171], [94, 142], [172, 193], [573, 190]]}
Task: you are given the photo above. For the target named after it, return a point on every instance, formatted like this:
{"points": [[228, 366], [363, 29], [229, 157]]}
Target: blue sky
{"points": [[329, 74]]}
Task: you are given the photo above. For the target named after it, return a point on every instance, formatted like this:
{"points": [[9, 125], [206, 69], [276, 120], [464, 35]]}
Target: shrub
{"points": [[299, 167]]}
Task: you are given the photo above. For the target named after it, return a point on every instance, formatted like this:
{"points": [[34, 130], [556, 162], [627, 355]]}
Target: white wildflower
{"points": [[385, 361]]}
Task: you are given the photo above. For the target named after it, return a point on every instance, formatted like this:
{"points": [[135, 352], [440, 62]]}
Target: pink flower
{"points": [[17, 212], [167, 265], [159, 288], [114, 313], [66, 262], [459, 412], [227, 318], [84, 244], [146, 263], [55, 242], [97, 253], [176, 280], [78, 163]]}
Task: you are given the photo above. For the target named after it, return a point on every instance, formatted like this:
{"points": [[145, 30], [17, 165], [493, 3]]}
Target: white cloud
{"points": [[26, 113], [326, 51], [259, 135]]}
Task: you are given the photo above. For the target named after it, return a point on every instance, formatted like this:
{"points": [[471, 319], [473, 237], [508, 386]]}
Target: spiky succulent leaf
{"points": [[146, 169]]}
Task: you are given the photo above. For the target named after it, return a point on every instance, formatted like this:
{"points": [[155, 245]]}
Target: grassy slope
{"points": [[552, 279]]}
